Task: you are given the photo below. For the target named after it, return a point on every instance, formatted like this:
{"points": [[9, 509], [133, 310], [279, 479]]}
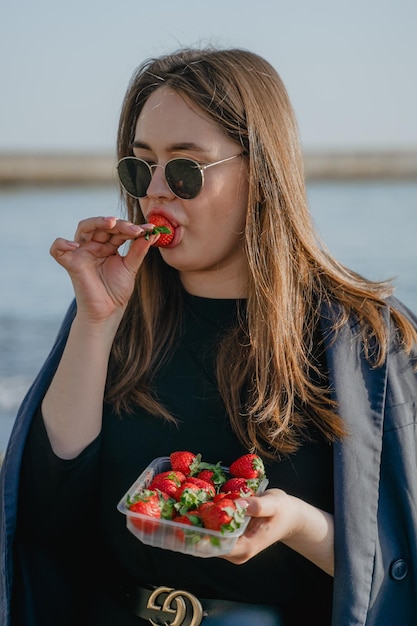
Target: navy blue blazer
{"points": [[375, 481]]}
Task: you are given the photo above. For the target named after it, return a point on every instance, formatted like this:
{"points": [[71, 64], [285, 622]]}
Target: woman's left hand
{"points": [[277, 516]]}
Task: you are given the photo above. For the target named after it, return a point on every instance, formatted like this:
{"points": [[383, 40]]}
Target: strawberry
{"points": [[146, 502], [207, 504], [212, 473], [202, 484], [220, 496], [224, 515], [163, 226], [150, 503], [192, 518], [195, 493], [190, 496], [206, 475], [185, 462], [174, 475], [240, 487], [167, 505], [247, 466], [167, 482]]}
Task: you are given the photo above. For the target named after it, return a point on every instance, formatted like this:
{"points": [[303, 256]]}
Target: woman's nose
{"points": [[158, 187]]}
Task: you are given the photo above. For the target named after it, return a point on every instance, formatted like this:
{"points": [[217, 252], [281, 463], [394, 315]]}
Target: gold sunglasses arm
{"points": [[204, 167]]}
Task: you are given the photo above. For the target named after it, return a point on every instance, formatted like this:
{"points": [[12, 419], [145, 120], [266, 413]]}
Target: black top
{"points": [[63, 501]]}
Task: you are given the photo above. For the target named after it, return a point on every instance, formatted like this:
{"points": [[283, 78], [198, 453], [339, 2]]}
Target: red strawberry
{"points": [[167, 505], [212, 473], [206, 475], [224, 515], [204, 505], [248, 466], [202, 484], [241, 486], [220, 496], [173, 475], [190, 496], [163, 226], [146, 503], [192, 518], [185, 462], [168, 482]]}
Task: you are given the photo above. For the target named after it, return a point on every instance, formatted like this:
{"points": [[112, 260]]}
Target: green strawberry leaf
{"points": [[215, 541], [219, 477], [191, 537], [259, 466], [167, 507], [253, 483], [191, 499], [139, 496], [163, 230], [195, 465]]}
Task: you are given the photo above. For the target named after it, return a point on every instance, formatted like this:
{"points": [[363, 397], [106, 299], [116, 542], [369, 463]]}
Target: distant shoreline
{"points": [[99, 168]]}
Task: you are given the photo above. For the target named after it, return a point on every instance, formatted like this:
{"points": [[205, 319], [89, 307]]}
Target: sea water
{"points": [[369, 226]]}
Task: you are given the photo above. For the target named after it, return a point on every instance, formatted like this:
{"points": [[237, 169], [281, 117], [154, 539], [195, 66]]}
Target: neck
{"points": [[215, 284]]}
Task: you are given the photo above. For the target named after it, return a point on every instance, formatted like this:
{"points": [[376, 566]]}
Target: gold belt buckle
{"points": [[184, 606]]}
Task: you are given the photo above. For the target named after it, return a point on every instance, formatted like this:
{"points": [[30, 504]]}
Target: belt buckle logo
{"points": [[184, 606]]}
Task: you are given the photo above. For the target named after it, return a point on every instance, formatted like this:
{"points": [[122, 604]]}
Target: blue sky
{"points": [[350, 67]]}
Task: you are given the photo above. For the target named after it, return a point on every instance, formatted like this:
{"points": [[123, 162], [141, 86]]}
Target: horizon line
{"points": [[92, 167]]}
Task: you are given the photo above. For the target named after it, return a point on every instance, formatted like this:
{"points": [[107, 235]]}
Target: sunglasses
{"points": [[184, 177]]}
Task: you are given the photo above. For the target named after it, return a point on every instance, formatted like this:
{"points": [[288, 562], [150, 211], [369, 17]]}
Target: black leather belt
{"points": [[176, 607]]}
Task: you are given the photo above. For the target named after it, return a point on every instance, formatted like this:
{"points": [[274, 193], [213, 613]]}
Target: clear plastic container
{"points": [[175, 536]]}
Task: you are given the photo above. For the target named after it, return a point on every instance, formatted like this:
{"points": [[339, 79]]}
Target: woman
{"points": [[242, 334]]}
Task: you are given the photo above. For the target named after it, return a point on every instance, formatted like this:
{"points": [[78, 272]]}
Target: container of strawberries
{"points": [[181, 503]]}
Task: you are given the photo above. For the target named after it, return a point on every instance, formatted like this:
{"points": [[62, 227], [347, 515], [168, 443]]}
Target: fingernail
{"points": [[135, 228]]}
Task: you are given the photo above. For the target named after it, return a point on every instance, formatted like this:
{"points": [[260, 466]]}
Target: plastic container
{"points": [[175, 536]]}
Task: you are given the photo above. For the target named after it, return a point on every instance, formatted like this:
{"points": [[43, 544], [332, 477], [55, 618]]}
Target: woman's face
{"points": [[207, 249]]}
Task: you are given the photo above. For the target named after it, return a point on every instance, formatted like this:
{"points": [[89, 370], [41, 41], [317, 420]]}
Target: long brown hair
{"points": [[291, 273]]}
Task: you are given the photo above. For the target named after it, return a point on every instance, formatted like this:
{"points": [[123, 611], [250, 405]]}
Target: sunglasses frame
{"points": [[198, 166]]}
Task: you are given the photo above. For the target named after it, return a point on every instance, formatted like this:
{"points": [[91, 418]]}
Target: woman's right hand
{"points": [[102, 278], [103, 283]]}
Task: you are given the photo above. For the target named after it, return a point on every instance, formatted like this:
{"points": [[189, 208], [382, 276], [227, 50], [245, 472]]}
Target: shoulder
{"points": [[395, 304], [333, 316]]}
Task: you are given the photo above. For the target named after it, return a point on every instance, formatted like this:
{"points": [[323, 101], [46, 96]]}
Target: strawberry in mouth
{"points": [[164, 227]]}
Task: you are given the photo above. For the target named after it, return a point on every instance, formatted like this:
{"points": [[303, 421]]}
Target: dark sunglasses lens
{"points": [[135, 176], [184, 178]]}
